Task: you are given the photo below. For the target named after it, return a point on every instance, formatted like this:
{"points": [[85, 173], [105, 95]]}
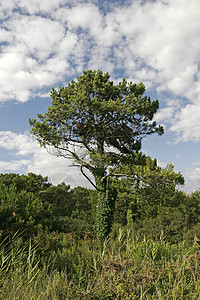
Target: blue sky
{"points": [[46, 43]]}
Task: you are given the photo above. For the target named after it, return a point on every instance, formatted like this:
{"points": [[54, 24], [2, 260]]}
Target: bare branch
{"points": [[88, 178], [74, 156]]}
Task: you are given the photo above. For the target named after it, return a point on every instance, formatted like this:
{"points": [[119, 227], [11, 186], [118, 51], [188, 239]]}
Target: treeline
{"points": [[32, 205]]}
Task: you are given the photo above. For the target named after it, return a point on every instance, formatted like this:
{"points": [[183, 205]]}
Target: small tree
{"points": [[146, 197], [99, 125]]}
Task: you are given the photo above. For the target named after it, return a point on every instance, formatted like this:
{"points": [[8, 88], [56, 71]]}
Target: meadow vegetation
{"points": [[49, 248], [135, 236]]}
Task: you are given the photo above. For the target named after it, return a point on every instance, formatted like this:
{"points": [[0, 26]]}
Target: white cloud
{"points": [[165, 37], [157, 43], [37, 160], [31, 7], [183, 81], [46, 43], [85, 16], [186, 124], [13, 166], [165, 114], [38, 35], [36, 56], [192, 176]]}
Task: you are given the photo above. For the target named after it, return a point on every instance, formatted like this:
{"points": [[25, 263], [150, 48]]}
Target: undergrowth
{"points": [[126, 267]]}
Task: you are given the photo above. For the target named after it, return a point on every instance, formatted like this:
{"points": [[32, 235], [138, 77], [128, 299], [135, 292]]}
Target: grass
{"points": [[126, 267]]}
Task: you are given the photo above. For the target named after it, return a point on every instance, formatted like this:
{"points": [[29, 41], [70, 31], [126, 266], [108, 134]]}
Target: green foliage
{"points": [[148, 189], [59, 198], [99, 125], [83, 215], [31, 182], [147, 259], [21, 210], [122, 268], [22, 206], [31, 203], [105, 207], [94, 110]]}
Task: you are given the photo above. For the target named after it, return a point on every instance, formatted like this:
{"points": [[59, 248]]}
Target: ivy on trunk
{"points": [[100, 126]]}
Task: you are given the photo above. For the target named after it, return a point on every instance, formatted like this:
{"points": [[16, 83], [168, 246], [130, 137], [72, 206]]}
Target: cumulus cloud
{"points": [[186, 124], [30, 157], [35, 55], [157, 42], [193, 177], [31, 7], [13, 166], [46, 43], [165, 114]]}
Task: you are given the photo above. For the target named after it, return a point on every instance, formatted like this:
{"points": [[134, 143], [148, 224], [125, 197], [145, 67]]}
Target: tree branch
{"points": [[74, 156], [88, 178]]}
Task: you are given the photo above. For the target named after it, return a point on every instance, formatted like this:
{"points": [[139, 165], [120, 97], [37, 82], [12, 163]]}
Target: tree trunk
{"points": [[105, 204]]}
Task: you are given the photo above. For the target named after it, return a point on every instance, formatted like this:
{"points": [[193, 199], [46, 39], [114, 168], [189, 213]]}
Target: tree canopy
{"points": [[99, 125], [94, 113]]}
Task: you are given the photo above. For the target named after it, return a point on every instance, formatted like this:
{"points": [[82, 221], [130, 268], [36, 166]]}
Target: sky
{"points": [[47, 43]]}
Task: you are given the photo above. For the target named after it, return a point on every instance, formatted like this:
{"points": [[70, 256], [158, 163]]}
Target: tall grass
{"points": [[126, 267]]}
